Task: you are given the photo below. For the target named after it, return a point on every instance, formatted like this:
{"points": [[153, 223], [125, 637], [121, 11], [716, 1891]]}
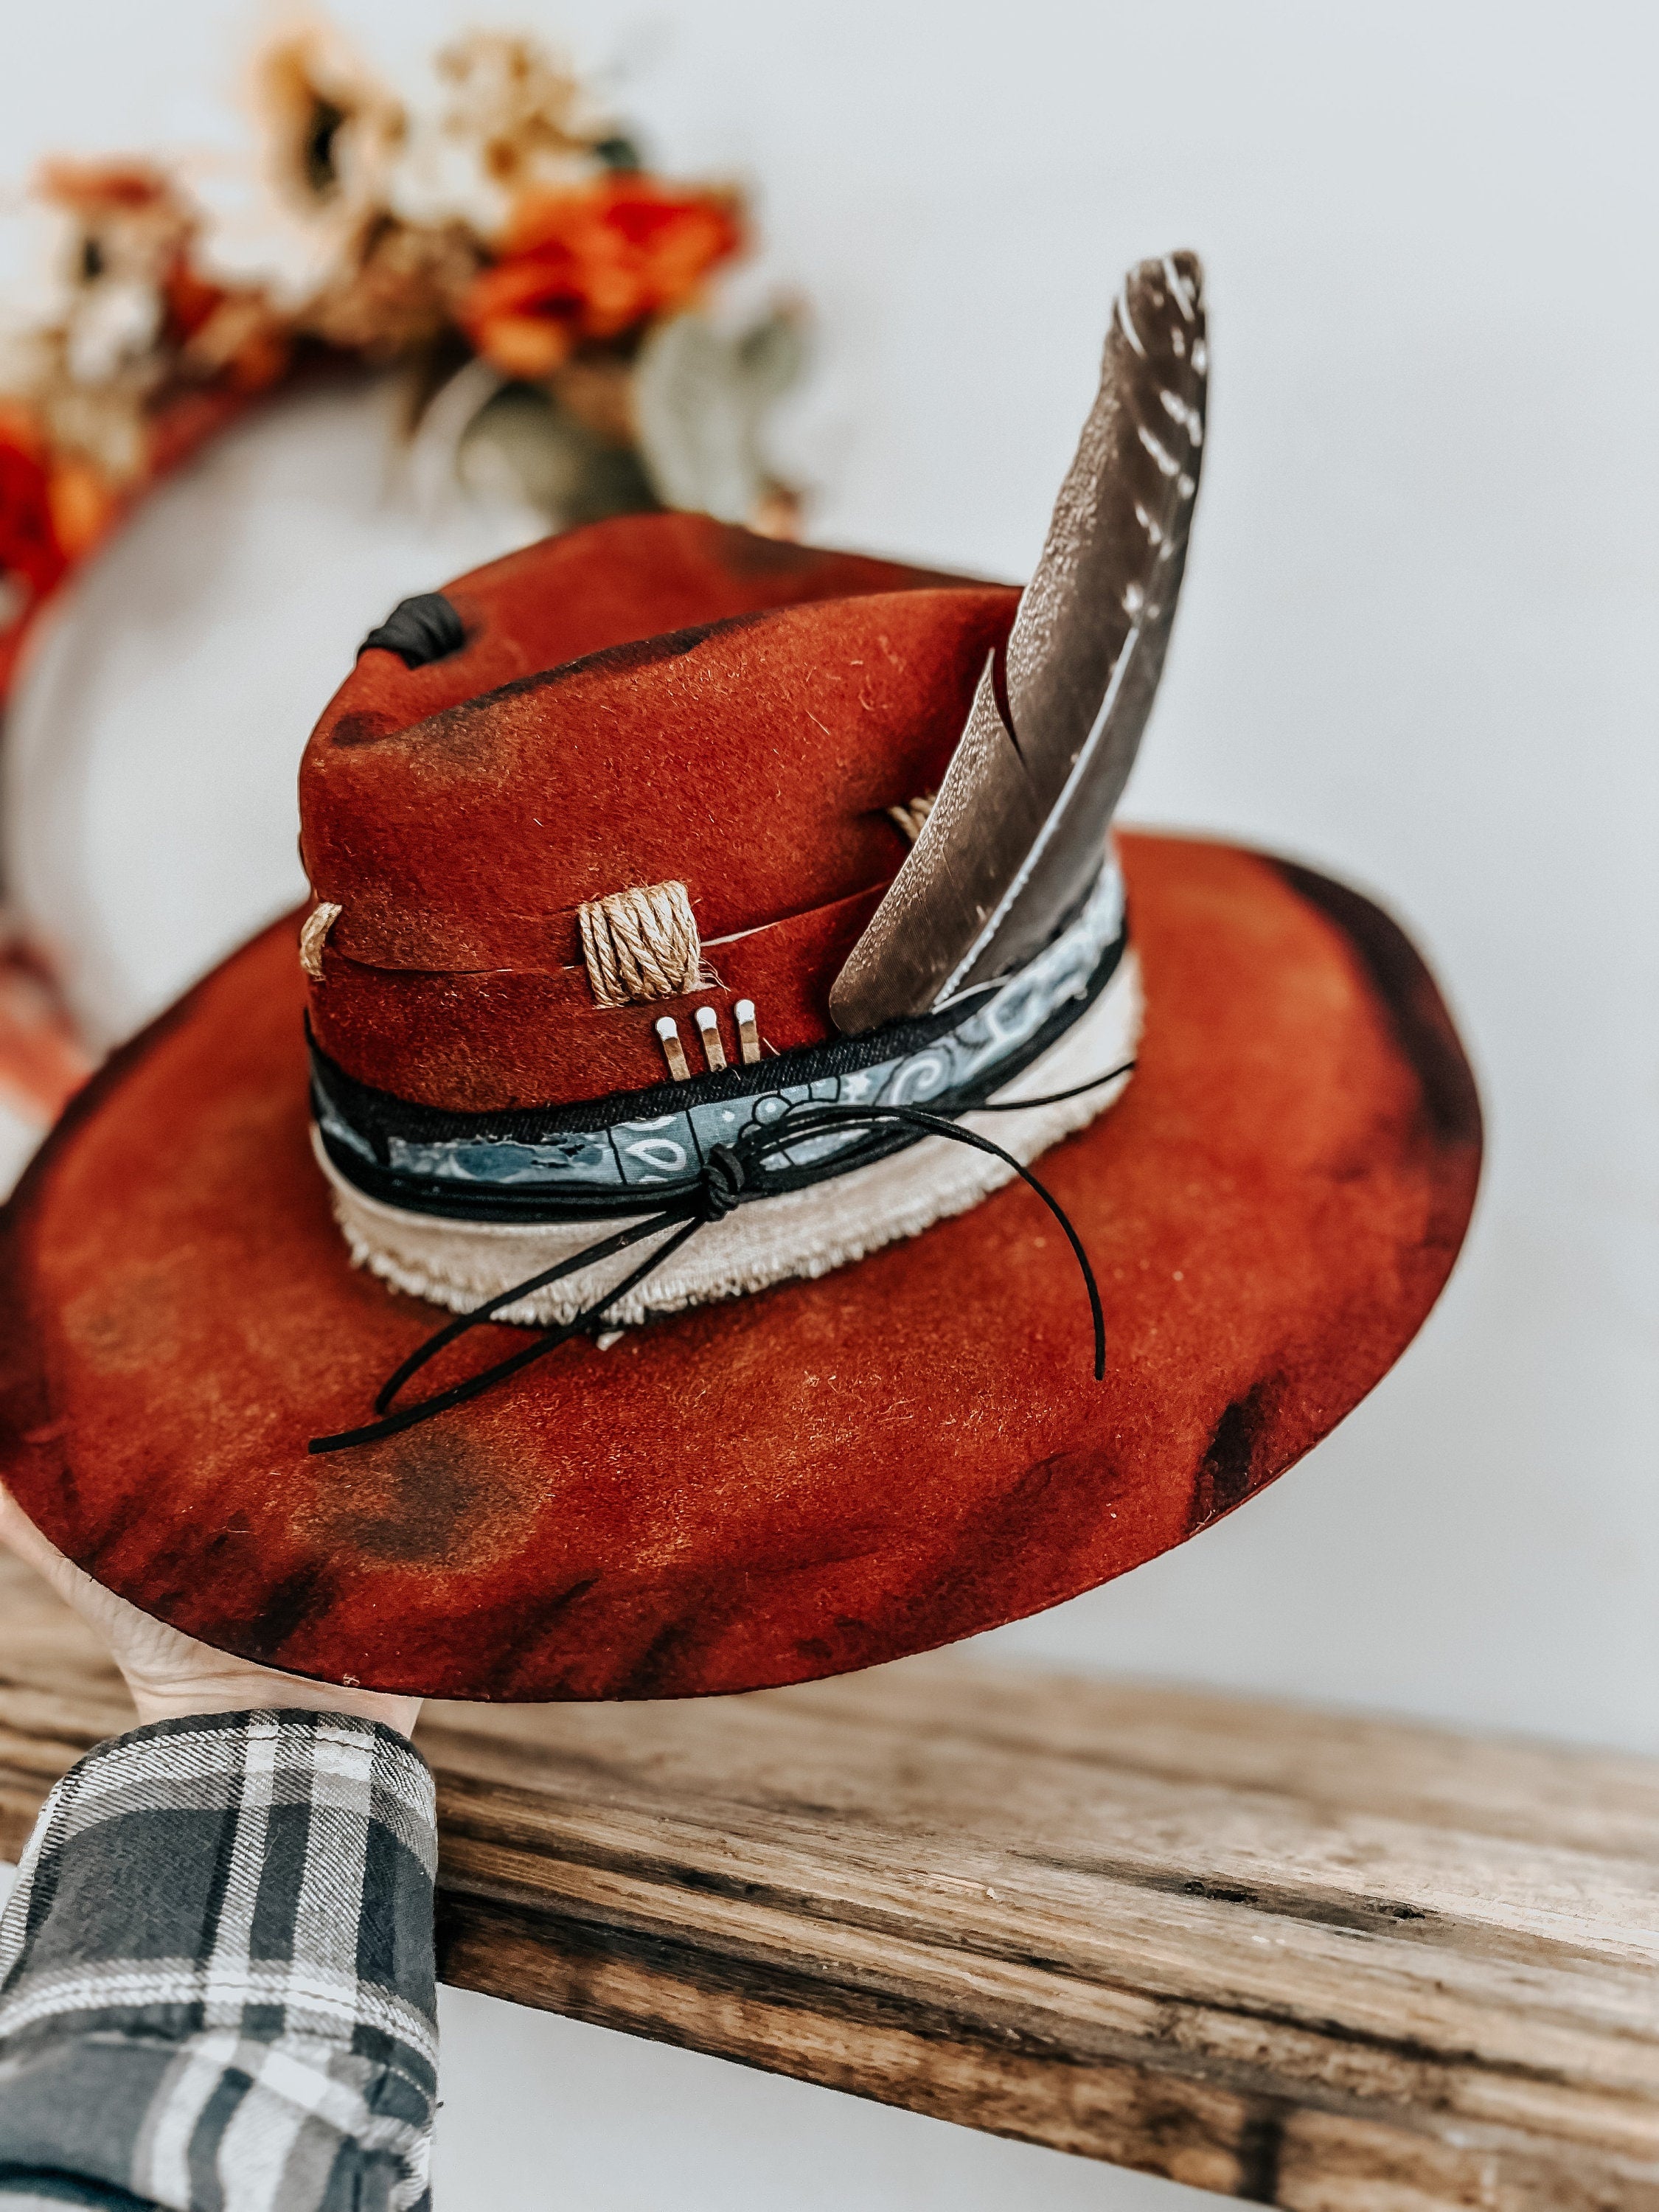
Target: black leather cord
{"points": [[424, 629], [727, 1179]]}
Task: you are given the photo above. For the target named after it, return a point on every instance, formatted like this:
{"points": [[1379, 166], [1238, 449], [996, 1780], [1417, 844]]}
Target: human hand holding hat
{"points": [[170, 1675]]}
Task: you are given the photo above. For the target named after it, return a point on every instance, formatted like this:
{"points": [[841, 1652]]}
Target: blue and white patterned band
{"points": [[968, 1061]]}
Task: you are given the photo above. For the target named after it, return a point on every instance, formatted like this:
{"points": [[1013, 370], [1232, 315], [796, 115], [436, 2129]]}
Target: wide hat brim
{"points": [[813, 1479]]}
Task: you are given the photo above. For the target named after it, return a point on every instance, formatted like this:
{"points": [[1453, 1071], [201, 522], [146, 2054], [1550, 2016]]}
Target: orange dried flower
{"points": [[591, 265], [31, 556], [82, 505], [190, 299], [53, 510], [90, 188]]}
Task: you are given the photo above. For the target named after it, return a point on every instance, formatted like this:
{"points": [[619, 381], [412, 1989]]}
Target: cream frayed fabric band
{"points": [[461, 1264]]}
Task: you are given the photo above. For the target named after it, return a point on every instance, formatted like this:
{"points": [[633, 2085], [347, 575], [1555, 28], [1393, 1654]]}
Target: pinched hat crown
{"points": [[657, 700]]}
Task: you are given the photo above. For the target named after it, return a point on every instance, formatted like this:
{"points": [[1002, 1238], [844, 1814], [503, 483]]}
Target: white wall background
{"points": [[1416, 647]]}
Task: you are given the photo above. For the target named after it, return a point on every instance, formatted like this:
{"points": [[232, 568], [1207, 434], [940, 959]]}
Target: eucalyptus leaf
{"points": [[701, 400], [523, 445]]}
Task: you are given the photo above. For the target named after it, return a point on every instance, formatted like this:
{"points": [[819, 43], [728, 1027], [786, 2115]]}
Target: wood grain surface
{"points": [[1334, 1964]]}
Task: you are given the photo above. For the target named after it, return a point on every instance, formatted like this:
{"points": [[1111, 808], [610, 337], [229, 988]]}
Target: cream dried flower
{"points": [[121, 228], [293, 218], [106, 240], [105, 424], [503, 116], [404, 292]]}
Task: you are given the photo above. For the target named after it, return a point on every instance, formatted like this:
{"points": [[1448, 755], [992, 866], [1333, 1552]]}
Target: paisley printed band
{"points": [[495, 1167]]}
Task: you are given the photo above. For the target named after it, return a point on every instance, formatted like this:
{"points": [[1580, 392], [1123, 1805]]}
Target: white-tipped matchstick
{"points": [[668, 1032], [708, 1029], [748, 1036]]}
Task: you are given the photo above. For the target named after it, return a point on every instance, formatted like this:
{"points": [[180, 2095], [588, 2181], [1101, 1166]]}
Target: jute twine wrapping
{"points": [[640, 945], [313, 935], [913, 819]]}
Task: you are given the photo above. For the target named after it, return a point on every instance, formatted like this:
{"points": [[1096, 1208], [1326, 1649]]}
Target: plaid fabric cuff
{"points": [[216, 1988]]}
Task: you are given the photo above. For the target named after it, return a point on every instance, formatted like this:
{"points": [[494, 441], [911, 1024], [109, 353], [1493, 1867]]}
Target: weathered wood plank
{"points": [[1300, 1957]]}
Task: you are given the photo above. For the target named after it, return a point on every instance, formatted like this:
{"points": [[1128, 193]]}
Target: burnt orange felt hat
{"points": [[708, 937]]}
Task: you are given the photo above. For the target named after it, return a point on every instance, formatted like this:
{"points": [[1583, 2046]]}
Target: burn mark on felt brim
{"points": [[305, 1595], [658, 1671], [1417, 1013], [364, 725], [418, 1500], [1226, 1473], [1052, 1517], [525, 1638], [1049, 1518]]}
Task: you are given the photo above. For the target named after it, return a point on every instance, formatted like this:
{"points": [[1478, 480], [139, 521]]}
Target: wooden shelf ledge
{"points": [[1335, 1964]]}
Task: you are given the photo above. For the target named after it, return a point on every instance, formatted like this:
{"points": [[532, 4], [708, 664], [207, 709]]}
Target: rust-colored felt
{"points": [[531, 1036], [814, 1479], [754, 762], [658, 698], [583, 590]]}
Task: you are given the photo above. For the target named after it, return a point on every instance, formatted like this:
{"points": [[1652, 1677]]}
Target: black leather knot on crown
{"points": [[724, 1180], [424, 629]]}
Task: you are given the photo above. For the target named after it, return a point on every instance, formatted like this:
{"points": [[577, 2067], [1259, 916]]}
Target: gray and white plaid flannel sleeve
{"points": [[216, 1986]]}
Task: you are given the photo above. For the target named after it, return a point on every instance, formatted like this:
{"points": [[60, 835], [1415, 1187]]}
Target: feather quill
{"points": [[1017, 835]]}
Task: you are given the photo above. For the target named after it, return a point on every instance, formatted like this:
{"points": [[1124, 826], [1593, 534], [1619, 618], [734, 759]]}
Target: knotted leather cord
{"points": [[419, 631], [725, 1180]]}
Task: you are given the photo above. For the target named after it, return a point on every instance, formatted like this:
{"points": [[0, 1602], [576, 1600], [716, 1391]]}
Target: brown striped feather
{"points": [[1016, 836]]}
